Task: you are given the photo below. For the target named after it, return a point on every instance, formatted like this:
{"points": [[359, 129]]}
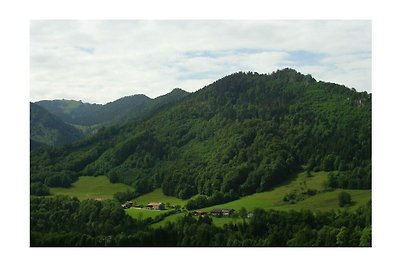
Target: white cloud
{"points": [[100, 61]]}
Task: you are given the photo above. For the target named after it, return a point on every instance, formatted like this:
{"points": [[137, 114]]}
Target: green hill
{"points": [[321, 200], [242, 134], [47, 129], [158, 196], [70, 111], [125, 109]]}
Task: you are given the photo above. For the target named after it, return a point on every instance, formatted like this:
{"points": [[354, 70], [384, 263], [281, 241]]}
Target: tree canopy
{"points": [[64, 221]]}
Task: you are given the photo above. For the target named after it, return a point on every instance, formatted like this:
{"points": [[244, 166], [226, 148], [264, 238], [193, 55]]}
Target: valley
{"points": [[294, 152], [322, 201]]}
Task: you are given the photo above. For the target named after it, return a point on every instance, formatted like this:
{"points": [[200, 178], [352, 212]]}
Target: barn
{"points": [[155, 206]]}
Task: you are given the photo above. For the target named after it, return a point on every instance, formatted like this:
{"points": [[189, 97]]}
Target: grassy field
{"points": [[154, 196], [100, 188], [158, 196], [89, 187], [322, 201], [171, 218], [329, 200]]}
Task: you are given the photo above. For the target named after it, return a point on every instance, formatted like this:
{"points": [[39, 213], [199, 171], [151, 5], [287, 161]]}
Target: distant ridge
{"points": [[48, 129], [124, 109]]}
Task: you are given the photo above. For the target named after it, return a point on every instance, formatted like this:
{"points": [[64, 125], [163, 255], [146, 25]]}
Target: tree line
{"points": [[66, 221]]}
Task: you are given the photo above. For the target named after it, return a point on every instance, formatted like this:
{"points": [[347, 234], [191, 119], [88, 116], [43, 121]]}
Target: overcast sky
{"points": [[100, 61]]}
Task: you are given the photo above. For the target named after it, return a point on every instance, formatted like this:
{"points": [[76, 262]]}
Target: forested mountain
{"points": [[122, 110], [153, 105], [70, 111], [244, 133], [47, 129]]}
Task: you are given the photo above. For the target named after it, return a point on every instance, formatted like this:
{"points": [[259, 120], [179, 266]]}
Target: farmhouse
{"points": [[155, 206], [222, 212]]}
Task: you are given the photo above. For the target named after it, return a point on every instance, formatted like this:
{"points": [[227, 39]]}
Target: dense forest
{"points": [[65, 221], [244, 133], [57, 122]]}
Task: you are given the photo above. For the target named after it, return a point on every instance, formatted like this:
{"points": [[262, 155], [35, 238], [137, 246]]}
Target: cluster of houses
{"points": [[161, 206], [150, 206], [218, 213], [214, 212]]}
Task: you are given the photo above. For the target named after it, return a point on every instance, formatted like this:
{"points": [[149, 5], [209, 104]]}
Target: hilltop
{"points": [[124, 109]]}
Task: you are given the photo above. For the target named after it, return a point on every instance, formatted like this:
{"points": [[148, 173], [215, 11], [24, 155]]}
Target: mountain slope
{"points": [[47, 129], [80, 113], [125, 109], [153, 105], [244, 133]]}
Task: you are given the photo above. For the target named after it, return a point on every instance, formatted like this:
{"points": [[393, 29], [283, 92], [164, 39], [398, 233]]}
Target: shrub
{"points": [[344, 199]]}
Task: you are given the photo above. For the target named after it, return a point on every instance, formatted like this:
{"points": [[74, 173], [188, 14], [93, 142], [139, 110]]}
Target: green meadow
{"points": [[329, 200], [154, 196], [321, 201], [324, 201], [90, 187], [158, 196], [171, 218]]}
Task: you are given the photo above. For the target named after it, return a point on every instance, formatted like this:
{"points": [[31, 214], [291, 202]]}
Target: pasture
{"points": [[322, 201], [90, 187], [158, 196], [171, 218]]}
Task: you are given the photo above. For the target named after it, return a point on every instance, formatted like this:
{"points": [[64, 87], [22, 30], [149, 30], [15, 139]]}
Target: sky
{"points": [[101, 61]]}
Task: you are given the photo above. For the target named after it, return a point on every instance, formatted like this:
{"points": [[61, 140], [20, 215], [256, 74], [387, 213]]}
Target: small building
{"points": [[155, 206], [200, 213], [127, 204], [221, 212]]}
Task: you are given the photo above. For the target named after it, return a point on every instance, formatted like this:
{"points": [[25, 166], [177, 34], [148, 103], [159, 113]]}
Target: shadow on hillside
{"points": [[286, 181]]}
